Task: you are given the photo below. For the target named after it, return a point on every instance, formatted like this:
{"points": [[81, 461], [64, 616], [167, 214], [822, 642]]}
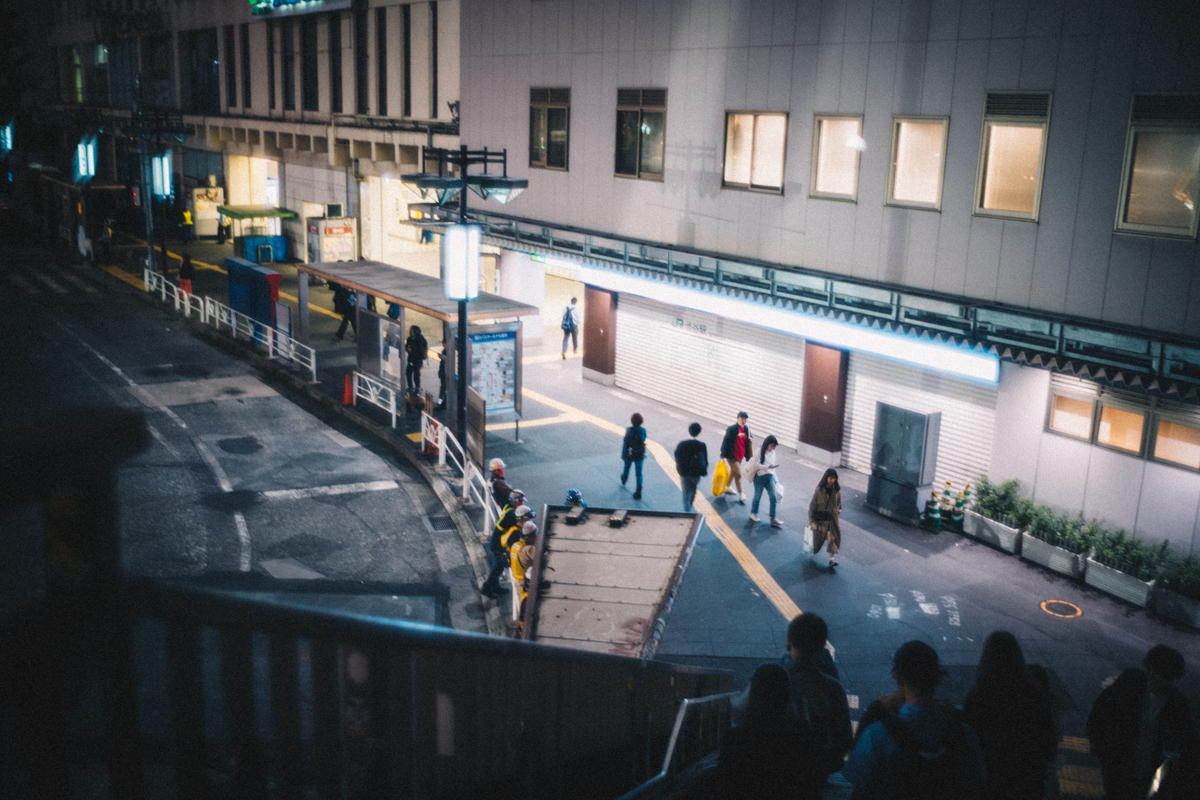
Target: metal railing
{"points": [[375, 392], [278, 345], [436, 437], [1010, 329], [699, 725]]}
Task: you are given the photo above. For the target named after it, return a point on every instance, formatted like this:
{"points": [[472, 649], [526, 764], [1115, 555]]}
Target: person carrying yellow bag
{"points": [[720, 478]]}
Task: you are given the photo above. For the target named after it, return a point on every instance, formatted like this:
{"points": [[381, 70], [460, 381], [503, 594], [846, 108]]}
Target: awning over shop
{"points": [[256, 212], [413, 290]]}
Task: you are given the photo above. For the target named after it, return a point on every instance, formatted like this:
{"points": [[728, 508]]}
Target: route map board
{"points": [[493, 363]]}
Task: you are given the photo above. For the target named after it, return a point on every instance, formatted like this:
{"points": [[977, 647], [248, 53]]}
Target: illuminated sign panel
{"points": [[259, 7], [160, 173], [85, 159]]}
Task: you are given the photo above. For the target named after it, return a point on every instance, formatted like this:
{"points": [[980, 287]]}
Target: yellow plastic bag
{"points": [[720, 478]]}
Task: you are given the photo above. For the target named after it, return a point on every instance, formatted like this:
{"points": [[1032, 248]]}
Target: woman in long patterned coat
{"points": [[823, 513]]}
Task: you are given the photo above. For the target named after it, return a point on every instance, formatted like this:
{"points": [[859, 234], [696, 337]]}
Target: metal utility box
{"points": [[903, 460], [253, 290], [332, 239]]}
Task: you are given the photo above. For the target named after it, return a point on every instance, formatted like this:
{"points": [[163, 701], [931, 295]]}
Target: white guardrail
{"points": [[377, 393], [278, 345]]}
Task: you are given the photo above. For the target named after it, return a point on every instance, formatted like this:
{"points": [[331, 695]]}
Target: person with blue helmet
{"points": [[575, 498]]}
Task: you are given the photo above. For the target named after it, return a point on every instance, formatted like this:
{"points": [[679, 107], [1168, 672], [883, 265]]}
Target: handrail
{"points": [[669, 756], [277, 344], [375, 392], [1012, 330]]}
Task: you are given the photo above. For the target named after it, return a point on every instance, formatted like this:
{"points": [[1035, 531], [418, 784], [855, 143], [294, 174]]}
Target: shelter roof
{"points": [[256, 212], [413, 290]]}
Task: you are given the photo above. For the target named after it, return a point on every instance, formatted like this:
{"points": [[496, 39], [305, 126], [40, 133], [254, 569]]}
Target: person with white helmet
{"points": [[500, 487], [503, 535], [521, 553]]}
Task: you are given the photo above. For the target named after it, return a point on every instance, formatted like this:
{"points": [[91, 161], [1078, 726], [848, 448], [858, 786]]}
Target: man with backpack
{"points": [[924, 753], [570, 328], [691, 462]]}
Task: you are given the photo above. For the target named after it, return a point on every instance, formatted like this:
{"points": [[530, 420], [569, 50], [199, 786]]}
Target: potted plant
{"points": [[992, 521], [1057, 542], [1177, 591], [1124, 566]]}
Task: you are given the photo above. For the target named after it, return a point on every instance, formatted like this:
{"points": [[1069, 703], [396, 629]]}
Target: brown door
{"points": [[599, 330], [824, 401]]}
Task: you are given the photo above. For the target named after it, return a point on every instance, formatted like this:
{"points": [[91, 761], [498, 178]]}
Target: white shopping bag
{"points": [[808, 540]]}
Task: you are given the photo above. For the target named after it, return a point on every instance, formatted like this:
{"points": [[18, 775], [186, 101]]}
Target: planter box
{"points": [[1055, 559], [1117, 583], [1177, 608], [991, 532]]}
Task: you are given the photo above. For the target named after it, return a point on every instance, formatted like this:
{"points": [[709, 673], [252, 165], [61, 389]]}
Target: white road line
{"points": [[244, 539], [46, 279], [81, 283], [326, 491], [211, 460], [24, 284]]}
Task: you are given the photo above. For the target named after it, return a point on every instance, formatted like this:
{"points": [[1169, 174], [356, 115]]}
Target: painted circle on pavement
{"points": [[1061, 608]]}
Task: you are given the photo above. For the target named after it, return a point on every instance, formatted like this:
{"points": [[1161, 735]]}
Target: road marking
{"points": [[46, 279], [329, 491], [1061, 608], [544, 357], [82, 284], [288, 568], [736, 547], [535, 423], [239, 520], [24, 284], [121, 274]]}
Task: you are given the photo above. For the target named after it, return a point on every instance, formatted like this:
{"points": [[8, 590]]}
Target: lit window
{"points": [[1162, 166], [754, 150], [837, 143], [1012, 154], [1177, 443], [1120, 429], [641, 128], [6, 138], [1071, 416], [549, 116], [918, 158]]}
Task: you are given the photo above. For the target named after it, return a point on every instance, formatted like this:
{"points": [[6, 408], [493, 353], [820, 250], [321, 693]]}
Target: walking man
{"points": [[344, 302], [691, 462], [736, 447], [570, 328], [417, 349]]}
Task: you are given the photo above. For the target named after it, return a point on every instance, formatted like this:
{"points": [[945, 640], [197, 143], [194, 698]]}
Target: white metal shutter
{"points": [[968, 415], [711, 366]]}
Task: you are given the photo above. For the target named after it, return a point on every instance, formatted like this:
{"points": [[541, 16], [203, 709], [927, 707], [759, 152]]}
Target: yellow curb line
{"points": [[736, 547], [117, 272], [547, 357]]}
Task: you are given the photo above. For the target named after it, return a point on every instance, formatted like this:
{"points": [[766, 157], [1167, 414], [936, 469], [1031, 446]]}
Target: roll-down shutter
{"points": [[710, 366], [968, 415]]}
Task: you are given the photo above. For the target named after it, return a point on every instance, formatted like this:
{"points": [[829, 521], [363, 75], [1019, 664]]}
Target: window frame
{"points": [[1175, 418], [1099, 401], [1012, 121], [546, 105], [1103, 403], [1080, 395], [889, 198], [642, 107], [751, 186], [816, 161], [1159, 125]]}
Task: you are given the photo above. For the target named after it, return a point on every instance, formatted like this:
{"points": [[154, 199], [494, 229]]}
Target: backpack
{"points": [[921, 774], [635, 449], [568, 322]]}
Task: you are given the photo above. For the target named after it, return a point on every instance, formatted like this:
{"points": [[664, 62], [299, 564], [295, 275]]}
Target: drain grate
{"points": [[439, 524]]}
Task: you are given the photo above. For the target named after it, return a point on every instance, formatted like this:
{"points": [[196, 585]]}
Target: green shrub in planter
{"points": [[1182, 576], [998, 501], [1119, 551]]}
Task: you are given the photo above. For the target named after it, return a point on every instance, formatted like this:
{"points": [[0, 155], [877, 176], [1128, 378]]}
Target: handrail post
{"points": [[393, 409], [441, 445]]}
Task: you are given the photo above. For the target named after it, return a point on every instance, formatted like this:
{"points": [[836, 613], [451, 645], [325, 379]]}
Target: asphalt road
{"points": [[238, 478]]}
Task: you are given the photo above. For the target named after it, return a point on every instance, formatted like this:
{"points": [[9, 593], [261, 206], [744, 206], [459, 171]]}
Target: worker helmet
{"points": [[516, 498], [496, 465], [524, 511], [529, 529], [574, 496]]}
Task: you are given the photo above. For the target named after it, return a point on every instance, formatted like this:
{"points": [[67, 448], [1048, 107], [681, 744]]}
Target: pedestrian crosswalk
{"points": [[51, 280]]}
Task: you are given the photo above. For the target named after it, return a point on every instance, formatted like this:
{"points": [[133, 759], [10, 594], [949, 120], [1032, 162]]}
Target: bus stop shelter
{"points": [[253, 241], [405, 288]]}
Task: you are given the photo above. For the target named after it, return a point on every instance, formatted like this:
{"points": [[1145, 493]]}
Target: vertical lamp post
{"points": [[460, 281]]}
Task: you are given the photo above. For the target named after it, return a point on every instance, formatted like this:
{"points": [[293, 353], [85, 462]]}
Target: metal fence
{"points": [[278, 346], [377, 393]]}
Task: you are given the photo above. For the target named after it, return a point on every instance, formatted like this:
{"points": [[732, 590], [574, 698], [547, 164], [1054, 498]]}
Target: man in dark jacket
{"points": [[344, 303], [736, 447], [417, 350], [691, 462], [1139, 719], [819, 698]]}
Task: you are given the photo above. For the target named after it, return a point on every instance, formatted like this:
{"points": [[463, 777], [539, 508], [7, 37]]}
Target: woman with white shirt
{"points": [[764, 478]]}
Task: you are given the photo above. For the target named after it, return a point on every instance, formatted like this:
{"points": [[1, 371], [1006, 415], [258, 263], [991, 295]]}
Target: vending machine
{"points": [[332, 239]]}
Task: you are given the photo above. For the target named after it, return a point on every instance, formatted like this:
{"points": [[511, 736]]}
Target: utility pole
{"points": [[147, 193]]}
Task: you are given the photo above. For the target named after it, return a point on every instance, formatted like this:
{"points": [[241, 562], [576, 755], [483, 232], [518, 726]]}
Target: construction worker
{"points": [[575, 498], [521, 555], [509, 524], [500, 487]]}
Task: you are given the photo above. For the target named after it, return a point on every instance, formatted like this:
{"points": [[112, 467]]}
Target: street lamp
{"points": [[460, 281]]}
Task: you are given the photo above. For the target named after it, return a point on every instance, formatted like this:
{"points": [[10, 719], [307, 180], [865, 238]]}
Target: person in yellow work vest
{"points": [[507, 529], [188, 227], [522, 552]]}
